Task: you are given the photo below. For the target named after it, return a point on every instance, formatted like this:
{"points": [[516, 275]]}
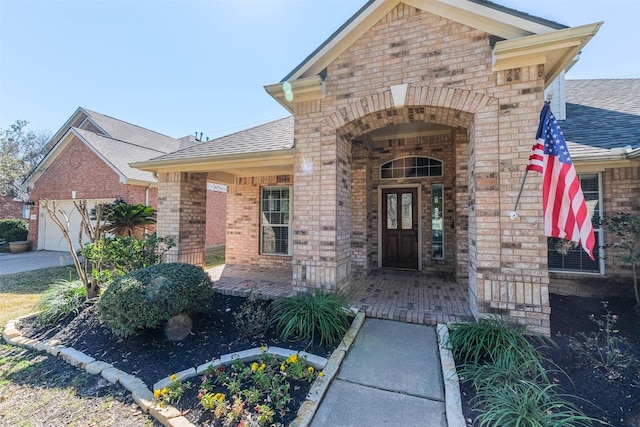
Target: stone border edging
{"points": [[170, 416], [452, 401]]}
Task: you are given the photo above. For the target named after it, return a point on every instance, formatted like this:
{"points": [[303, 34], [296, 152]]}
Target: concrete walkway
{"points": [[390, 377], [34, 260]]}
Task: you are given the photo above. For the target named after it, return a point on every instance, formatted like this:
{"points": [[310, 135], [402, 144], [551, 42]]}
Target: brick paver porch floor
{"points": [[406, 296]]}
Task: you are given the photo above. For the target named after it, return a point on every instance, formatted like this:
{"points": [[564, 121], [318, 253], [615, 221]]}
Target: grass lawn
{"points": [[214, 256], [19, 292]]}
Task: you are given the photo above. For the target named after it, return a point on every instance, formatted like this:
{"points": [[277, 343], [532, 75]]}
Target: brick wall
{"points": [[447, 67], [368, 157], [10, 208], [182, 214], [216, 218], [243, 222], [621, 193]]}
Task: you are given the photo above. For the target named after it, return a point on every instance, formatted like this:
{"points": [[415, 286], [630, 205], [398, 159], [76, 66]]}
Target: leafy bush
{"points": [[303, 316], [120, 255], [252, 320], [14, 230], [491, 340], [604, 348], [61, 299], [148, 297]]}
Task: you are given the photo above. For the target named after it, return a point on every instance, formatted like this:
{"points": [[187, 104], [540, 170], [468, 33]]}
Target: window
{"points": [[275, 220], [437, 228], [569, 256], [411, 167]]}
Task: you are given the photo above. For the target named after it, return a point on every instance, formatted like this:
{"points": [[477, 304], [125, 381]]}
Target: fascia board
{"points": [[340, 41], [304, 89], [53, 153], [286, 156], [482, 17], [557, 49]]}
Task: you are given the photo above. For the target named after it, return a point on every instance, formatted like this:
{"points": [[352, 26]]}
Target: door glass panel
{"points": [[392, 211], [407, 211], [437, 229]]}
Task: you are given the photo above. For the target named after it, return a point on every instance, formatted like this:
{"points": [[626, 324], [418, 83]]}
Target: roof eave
{"points": [[556, 50], [196, 163], [305, 89]]}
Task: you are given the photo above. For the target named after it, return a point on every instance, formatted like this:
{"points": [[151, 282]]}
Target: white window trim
{"points": [[600, 253], [289, 225]]}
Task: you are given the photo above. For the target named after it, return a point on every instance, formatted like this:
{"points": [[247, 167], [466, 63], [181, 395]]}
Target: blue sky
{"points": [[179, 67]]}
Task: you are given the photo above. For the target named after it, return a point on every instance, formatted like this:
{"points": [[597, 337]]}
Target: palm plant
{"points": [[125, 219]]}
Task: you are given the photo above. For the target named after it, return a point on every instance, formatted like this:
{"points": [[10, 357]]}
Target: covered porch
{"points": [[407, 296]]}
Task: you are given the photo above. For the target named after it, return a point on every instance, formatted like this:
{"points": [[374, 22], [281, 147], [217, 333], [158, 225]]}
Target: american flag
{"points": [[565, 212]]}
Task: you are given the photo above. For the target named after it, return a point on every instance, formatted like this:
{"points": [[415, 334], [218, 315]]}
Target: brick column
{"points": [[508, 258], [182, 213]]}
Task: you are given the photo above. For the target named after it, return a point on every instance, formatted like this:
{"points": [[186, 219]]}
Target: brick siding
{"points": [[447, 67], [9, 208], [243, 222], [78, 168]]}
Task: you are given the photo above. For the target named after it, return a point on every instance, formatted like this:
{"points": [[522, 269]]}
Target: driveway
{"points": [[26, 261]]}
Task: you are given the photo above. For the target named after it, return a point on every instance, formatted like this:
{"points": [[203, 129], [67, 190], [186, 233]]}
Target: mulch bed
{"points": [[151, 355], [616, 401]]}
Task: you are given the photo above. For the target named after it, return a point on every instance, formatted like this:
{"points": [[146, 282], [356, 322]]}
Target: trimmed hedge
{"points": [[146, 298], [14, 230]]}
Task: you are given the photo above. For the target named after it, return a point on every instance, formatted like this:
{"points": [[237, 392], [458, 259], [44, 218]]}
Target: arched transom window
{"points": [[411, 167]]}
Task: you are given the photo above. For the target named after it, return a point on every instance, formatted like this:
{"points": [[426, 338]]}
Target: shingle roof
{"points": [[276, 135], [602, 114], [124, 131], [120, 154]]}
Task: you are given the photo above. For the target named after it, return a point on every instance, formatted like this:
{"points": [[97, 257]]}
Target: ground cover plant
{"points": [[572, 376]]}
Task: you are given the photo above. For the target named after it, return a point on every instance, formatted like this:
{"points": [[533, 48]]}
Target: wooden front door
{"points": [[400, 228]]}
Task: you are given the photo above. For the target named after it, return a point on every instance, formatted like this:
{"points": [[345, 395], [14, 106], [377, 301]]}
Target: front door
{"points": [[400, 228]]}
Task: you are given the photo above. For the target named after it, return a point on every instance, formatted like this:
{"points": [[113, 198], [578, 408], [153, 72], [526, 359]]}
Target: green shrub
{"points": [[121, 255], [14, 230], [252, 319], [61, 299], [527, 404], [303, 316], [148, 297], [491, 340]]}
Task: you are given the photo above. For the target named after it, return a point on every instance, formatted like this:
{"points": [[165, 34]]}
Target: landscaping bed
{"points": [[612, 397], [156, 354]]}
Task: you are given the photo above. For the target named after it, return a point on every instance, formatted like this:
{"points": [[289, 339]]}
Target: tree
{"points": [[627, 228], [20, 152], [92, 223]]}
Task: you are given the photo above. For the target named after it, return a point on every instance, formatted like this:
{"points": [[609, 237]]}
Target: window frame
{"points": [[262, 224], [598, 251], [414, 167]]}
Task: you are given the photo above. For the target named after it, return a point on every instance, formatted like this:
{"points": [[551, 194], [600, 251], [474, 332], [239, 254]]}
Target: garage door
{"points": [[50, 236]]}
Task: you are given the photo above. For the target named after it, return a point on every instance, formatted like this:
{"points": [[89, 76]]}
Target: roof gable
{"points": [[121, 143], [483, 15], [520, 35]]}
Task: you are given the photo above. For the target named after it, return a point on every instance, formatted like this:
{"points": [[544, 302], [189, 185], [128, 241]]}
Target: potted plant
{"points": [[15, 232]]}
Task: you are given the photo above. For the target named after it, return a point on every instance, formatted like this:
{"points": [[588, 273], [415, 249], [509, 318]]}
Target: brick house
{"points": [[10, 208], [411, 127], [89, 158]]}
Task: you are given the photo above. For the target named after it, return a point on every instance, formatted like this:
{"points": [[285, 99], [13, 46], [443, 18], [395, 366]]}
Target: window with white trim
{"points": [[275, 220], [568, 256]]}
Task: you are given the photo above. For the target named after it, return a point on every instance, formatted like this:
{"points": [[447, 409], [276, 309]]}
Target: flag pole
{"points": [[513, 215]]}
